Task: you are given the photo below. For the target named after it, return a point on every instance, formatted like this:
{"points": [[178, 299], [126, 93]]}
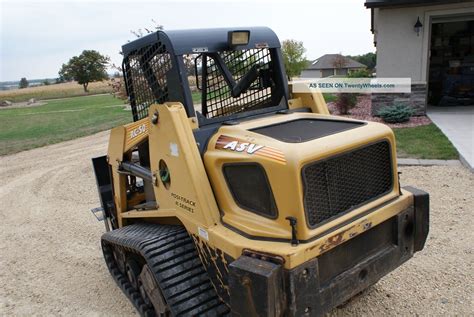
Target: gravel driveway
{"points": [[51, 262]]}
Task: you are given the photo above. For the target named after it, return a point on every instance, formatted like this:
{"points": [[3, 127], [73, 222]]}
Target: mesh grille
{"points": [[145, 74], [337, 185], [218, 100]]}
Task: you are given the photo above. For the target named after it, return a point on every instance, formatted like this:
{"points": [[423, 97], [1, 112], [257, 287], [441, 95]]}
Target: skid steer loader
{"points": [[244, 197]]}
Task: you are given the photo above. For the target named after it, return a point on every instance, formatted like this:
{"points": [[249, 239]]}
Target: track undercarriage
{"points": [[141, 256]]}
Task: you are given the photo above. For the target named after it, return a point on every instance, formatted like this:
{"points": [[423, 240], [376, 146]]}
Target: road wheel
{"points": [[132, 268], [151, 292], [119, 257]]}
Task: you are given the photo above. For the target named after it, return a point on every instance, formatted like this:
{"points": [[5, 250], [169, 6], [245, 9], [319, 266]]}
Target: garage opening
{"points": [[451, 72]]}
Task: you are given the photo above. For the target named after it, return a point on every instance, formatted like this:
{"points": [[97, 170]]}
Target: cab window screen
{"points": [[217, 100]]}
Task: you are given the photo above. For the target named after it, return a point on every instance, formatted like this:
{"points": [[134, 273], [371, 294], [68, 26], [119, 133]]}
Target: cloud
{"points": [[37, 37]]}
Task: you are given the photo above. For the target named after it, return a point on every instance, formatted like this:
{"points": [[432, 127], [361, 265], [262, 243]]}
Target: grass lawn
{"points": [[66, 119], [196, 97], [329, 97], [424, 142], [64, 90], [59, 120]]}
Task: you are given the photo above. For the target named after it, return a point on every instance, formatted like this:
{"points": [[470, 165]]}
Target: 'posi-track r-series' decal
{"points": [[225, 142]]}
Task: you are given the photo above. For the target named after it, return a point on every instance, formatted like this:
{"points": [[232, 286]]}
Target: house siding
{"points": [[311, 73], [327, 72], [401, 53], [342, 71]]}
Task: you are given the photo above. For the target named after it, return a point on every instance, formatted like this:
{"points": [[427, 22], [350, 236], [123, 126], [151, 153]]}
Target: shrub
{"points": [[118, 88], [361, 73], [345, 102], [396, 114]]}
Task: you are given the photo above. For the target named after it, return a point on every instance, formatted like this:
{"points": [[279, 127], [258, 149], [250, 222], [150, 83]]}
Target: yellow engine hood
{"points": [[283, 155]]}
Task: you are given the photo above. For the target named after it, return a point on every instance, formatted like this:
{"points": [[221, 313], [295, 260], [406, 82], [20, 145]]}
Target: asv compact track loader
{"points": [[253, 201]]}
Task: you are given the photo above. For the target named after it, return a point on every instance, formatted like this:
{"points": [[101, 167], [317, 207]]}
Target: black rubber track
{"points": [[171, 255]]}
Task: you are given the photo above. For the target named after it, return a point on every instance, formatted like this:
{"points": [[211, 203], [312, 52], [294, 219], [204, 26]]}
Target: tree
{"points": [[189, 63], [23, 83], [88, 67], [46, 82], [369, 60], [142, 32], [339, 62], [293, 57], [345, 102]]}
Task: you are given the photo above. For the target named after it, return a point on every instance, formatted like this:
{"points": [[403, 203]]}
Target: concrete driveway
{"points": [[457, 123]]}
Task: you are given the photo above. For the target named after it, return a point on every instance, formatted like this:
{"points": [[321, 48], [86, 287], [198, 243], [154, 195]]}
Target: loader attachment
{"points": [[104, 186]]}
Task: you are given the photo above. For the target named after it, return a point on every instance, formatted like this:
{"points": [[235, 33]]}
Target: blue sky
{"points": [[38, 36]]}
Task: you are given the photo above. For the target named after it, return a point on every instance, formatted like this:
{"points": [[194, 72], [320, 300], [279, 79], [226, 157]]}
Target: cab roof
{"points": [[191, 41]]}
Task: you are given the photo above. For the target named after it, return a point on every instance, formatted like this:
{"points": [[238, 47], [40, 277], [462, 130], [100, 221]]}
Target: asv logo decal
{"points": [[137, 131], [250, 148], [225, 142]]}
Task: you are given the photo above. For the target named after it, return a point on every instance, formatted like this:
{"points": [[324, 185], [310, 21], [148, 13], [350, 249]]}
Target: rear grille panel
{"points": [[339, 184]]}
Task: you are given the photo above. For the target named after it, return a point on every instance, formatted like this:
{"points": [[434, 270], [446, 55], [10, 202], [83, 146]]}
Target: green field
{"points": [[424, 142], [65, 119], [59, 120], [196, 97]]}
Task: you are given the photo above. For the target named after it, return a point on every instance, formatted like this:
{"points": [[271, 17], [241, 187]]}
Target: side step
{"points": [[170, 254]]}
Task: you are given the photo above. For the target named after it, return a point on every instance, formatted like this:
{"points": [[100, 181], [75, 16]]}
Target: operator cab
{"points": [[235, 73]]}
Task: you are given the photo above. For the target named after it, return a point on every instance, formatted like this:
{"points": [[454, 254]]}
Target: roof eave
{"points": [[406, 3]]}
